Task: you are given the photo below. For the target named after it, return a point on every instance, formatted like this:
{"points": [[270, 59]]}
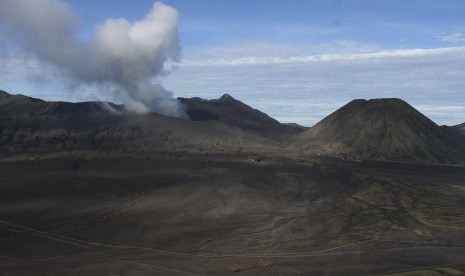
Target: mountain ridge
{"points": [[231, 111], [40, 126], [379, 129]]}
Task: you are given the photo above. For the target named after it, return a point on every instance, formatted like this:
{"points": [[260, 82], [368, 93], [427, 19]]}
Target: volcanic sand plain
{"points": [[179, 213]]}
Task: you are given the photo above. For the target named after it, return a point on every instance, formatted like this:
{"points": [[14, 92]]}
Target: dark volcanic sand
{"points": [[296, 217]]}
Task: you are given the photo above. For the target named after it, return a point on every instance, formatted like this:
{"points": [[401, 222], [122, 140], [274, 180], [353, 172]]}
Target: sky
{"points": [[296, 60]]}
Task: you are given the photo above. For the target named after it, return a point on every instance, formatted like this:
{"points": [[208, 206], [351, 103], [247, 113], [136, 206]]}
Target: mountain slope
{"points": [[381, 129], [231, 111], [387, 129], [457, 130], [461, 126], [29, 124]]}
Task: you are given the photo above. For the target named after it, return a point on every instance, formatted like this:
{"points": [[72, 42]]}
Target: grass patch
{"points": [[449, 271], [241, 264], [460, 188], [377, 195], [434, 208], [422, 233], [417, 273]]}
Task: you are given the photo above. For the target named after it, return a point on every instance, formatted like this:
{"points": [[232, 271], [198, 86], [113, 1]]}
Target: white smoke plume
{"points": [[125, 57]]}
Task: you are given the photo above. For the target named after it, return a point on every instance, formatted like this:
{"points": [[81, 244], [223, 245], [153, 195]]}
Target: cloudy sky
{"points": [[296, 60]]}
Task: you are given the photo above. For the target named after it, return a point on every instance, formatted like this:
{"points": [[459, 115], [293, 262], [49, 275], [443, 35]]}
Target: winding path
{"points": [[328, 251]]}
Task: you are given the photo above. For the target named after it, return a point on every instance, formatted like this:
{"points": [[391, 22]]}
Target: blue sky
{"points": [[206, 23], [295, 60]]}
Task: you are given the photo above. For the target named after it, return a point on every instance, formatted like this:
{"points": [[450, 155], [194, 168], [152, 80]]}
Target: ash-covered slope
{"points": [[461, 129], [231, 111], [461, 126], [387, 129], [457, 130], [29, 124]]}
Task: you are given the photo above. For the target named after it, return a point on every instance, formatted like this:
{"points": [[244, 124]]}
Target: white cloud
{"points": [[262, 52], [444, 113], [454, 38], [270, 56], [26, 68]]}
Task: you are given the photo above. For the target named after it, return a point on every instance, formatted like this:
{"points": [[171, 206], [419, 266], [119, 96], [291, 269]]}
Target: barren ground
{"points": [[198, 214]]}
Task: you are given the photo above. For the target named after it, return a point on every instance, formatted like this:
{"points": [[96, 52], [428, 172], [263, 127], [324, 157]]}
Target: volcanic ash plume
{"points": [[123, 57]]}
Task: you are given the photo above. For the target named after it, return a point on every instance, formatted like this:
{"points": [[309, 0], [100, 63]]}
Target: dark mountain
{"points": [[23, 106], [388, 129], [461, 126], [231, 111], [461, 130], [457, 130], [381, 129], [297, 126], [29, 124]]}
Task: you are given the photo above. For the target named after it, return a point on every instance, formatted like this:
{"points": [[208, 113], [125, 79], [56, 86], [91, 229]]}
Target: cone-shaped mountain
{"points": [[381, 129]]}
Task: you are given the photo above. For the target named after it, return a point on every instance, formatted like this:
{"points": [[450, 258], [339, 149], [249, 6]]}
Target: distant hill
{"points": [[388, 129], [297, 126], [231, 111], [13, 105]]}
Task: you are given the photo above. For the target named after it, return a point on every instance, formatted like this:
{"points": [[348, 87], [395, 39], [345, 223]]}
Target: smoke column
{"points": [[123, 57]]}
